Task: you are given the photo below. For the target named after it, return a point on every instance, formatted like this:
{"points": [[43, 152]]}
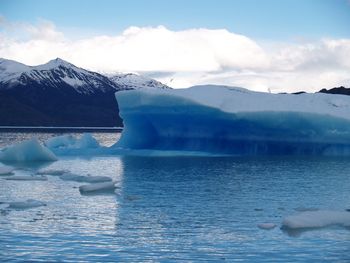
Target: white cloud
{"points": [[46, 31], [196, 56]]}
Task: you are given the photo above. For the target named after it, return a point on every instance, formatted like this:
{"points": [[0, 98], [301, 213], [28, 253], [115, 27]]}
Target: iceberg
{"points": [[317, 219], [234, 121], [27, 151], [60, 141], [87, 141], [69, 145]]}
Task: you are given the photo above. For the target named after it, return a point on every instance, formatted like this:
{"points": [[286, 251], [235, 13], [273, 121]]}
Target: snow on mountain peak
{"points": [[135, 81], [54, 63], [10, 69], [58, 71], [52, 74]]}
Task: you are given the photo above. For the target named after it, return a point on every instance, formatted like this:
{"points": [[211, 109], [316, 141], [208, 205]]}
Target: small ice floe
{"points": [[27, 151], [52, 172], [27, 178], [86, 141], [6, 170], [30, 203], [317, 219], [60, 141], [105, 187], [267, 226]]}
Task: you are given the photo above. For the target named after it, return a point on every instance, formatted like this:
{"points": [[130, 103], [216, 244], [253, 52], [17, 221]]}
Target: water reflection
{"points": [[67, 210], [180, 208]]}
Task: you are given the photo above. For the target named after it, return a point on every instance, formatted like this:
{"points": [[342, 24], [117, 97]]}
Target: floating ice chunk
{"points": [[108, 187], [52, 172], [27, 178], [267, 226], [27, 151], [6, 170], [68, 145], [86, 141], [317, 219], [85, 178], [30, 203], [60, 141]]}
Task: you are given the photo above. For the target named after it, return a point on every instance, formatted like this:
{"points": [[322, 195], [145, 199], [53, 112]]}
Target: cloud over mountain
{"points": [[187, 57]]}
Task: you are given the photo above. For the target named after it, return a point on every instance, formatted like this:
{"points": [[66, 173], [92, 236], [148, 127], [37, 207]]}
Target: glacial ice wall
{"points": [[226, 120]]}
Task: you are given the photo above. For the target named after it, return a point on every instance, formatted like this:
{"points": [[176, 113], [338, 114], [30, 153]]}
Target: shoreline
{"points": [[58, 129]]}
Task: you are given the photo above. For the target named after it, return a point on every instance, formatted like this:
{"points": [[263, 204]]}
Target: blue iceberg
{"points": [[227, 120], [27, 151]]}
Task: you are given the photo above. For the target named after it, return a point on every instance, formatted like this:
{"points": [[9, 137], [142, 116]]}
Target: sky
{"points": [[263, 45]]}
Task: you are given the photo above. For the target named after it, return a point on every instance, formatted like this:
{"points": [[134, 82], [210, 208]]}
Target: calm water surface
{"points": [[176, 208]]}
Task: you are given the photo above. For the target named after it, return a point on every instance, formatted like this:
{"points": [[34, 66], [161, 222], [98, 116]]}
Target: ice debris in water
{"points": [[27, 178], [52, 172], [86, 141], [60, 141], [267, 226], [27, 151], [317, 219], [84, 178], [6, 170], [105, 187], [30, 203]]}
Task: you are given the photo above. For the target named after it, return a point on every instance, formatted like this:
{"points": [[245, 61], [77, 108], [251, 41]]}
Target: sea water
{"points": [[175, 208]]}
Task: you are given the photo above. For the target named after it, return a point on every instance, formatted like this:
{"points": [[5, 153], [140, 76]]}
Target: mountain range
{"points": [[338, 90], [60, 94]]}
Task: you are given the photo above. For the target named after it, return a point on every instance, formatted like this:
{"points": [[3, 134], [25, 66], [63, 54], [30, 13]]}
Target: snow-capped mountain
{"points": [[54, 74], [58, 72], [135, 81], [59, 93]]}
